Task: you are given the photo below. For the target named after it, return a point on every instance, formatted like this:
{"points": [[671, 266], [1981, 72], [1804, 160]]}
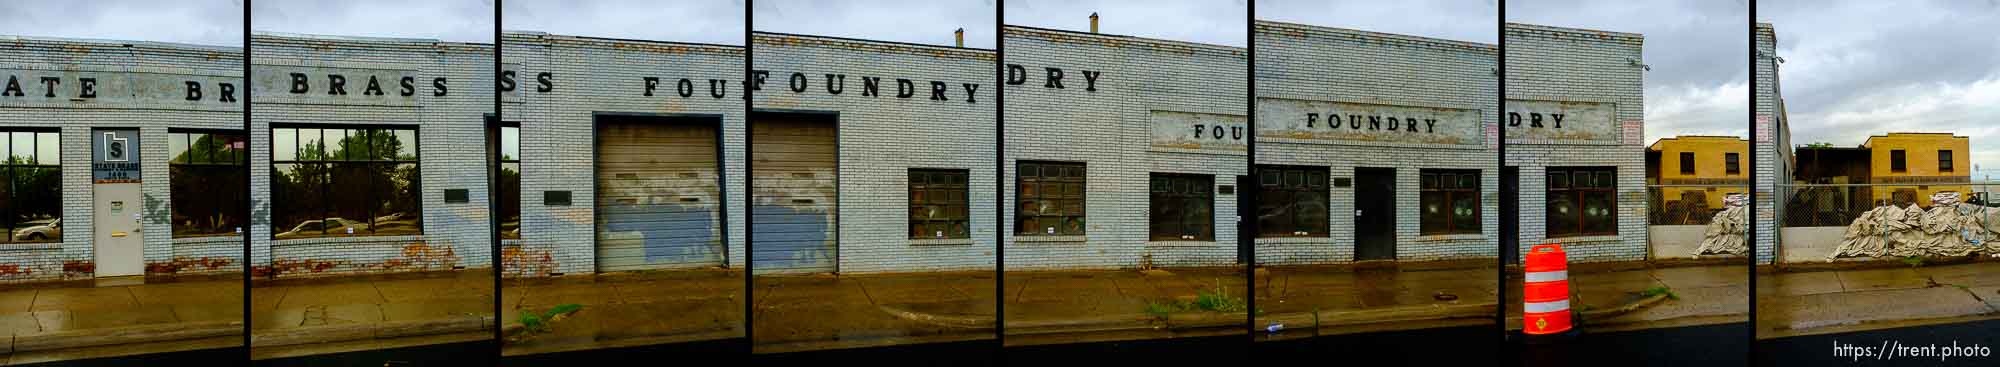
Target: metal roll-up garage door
{"points": [[658, 201], [794, 189]]}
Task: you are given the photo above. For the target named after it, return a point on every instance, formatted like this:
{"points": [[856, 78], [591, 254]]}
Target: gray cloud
{"points": [[1698, 51], [915, 21], [1460, 20], [206, 22], [1853, 69], [707, 21], [1218, 22], [444, 20]]}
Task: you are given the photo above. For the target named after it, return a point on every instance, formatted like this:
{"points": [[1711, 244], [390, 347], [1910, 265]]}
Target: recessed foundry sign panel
{"points": [[117, 88], [1199, 132], [323, 85], [1561, 122], [1333, 122]]}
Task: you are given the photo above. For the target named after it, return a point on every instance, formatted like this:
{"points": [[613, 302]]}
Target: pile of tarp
{"points": [[1948, 228], [1725, 235]]}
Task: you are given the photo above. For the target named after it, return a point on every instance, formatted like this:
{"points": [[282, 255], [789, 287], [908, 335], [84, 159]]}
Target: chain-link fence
{"points": [[1687, 204], [1834, 205]]}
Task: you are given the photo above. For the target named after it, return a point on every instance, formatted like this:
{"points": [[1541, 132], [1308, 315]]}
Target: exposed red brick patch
{"points": [[79, 268], [14, 269], [517, 262], [182, 262]]}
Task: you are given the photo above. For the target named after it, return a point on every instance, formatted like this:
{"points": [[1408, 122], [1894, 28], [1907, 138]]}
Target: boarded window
{"points": [[1450, 201], [1050, 198], [1732, 163], [938, 204], [1182, 207], [1687, 163], [31, 186], [207, 172], [342, 181], [1896, 163], [1582, 201], [1292, 201]]}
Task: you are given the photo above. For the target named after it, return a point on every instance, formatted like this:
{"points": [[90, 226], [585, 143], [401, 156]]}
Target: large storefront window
{"points": [[1051, 199], [1292, 202], [1582, 201], [344, 182], [938, 207], [1182, 207], [206, 171], [1450, 201], [31, 186], [509, 185]]}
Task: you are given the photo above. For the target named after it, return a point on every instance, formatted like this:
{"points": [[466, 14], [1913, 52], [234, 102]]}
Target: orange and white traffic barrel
{"points": [[1545, 296]]}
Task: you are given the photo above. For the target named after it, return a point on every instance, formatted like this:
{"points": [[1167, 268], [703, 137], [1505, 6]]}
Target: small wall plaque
{"points": [[1343, 181], [456, 196], [555, 198]]}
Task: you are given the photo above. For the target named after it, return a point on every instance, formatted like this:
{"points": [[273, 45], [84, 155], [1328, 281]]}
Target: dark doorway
{"points": [[1510, 216], [1374, 213], [1245, 186]]}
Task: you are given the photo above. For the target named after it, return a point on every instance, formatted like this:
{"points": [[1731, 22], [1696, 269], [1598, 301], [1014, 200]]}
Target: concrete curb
{"points": [[1344, 318], [950, 321], [39, 341], [363, 331], [1628, 307]]}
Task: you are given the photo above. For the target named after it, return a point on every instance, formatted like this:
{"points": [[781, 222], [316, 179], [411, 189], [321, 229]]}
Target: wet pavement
{"points": [[299, 317], [1840, 301], [1702, 295], [1063, 307], [1704, 345], [822, 312], [626, 309], [115, 317], [1329, 300]]}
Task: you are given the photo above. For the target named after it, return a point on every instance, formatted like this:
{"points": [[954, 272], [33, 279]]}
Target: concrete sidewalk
{"points": [[1059, 307], [1838, 301], [818, 312], [107, 318], [299, 317], [625, 309], [1307, 301], [1615, 300]]}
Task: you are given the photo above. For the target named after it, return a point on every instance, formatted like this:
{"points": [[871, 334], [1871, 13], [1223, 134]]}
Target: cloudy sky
{"points": [[443, 20], [205, 22], [1218, 22], [1698, 51], [927, 22], [1926, 66], [1460, 20], [698, 21]]}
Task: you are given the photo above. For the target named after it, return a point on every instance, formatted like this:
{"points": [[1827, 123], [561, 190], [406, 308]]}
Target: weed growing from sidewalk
{"points": [[1216, 299], [536, 323], [1914, 261], [1655, 291]]}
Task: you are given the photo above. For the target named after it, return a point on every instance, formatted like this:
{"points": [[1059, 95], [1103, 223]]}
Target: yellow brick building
{"points": [[1698, 160], [1928, 162]]}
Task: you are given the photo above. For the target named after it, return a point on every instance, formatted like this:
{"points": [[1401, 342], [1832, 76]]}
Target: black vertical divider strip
{"points": [[749, 200], [493, 174], [999, 181], [1250, 168], [1500, 162], [250, 150], [1750, 342]]}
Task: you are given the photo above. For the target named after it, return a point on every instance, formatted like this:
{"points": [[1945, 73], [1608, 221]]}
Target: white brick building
{"points": [[630, 154], [871, 156], [343, 188], [1123, 151], [84, 203], [1594, 79], [1387, 127], [1773, 146]]}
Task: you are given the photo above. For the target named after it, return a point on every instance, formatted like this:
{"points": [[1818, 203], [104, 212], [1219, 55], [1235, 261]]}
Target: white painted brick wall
{"points": [[1773, 145], [1564, 64]]}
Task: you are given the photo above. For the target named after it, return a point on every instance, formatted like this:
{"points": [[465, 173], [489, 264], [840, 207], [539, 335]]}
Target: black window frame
{"points": [[1277, 192], [187, 171], [1603, 181], [1180, 207], [1944, 160], [1897, 161], [1071, 212], [1451, 185], [11, 198], [930, 211], [332, 168]]}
